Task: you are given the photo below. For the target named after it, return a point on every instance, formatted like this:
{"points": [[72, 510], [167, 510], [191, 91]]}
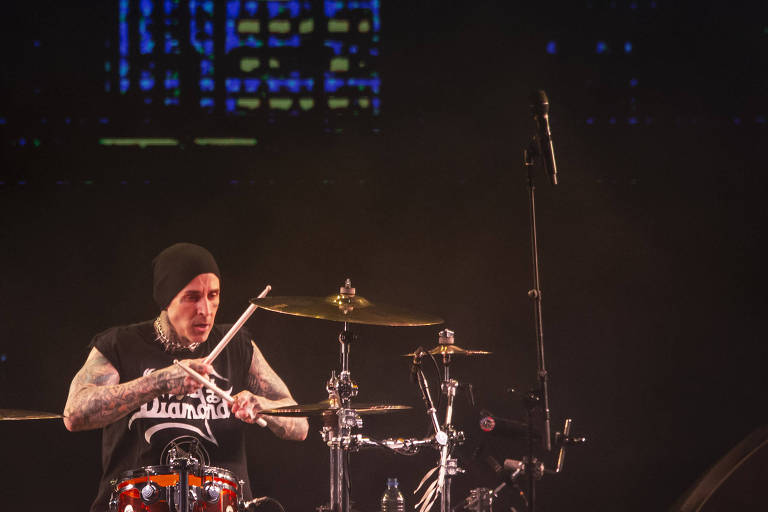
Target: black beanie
{"points": [[176, 266]]}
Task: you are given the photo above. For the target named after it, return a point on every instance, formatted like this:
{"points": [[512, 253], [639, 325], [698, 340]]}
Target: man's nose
{"points": [[204, 307]]}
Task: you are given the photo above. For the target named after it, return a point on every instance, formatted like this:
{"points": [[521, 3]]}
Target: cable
{"points": [[257, 502]]}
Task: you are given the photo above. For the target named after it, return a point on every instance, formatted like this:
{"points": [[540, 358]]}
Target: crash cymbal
{"points": [[18, 414], [343, 308], [324, 407], [455, 350]]}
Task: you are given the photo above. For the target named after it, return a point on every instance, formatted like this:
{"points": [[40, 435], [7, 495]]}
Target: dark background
{"points": [[652, 271]]}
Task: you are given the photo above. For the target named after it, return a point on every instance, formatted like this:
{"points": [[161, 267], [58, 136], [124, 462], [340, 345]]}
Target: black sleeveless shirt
{"points": [[138, 439]]}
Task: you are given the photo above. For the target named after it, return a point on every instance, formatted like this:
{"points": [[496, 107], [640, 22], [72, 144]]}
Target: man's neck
{"points": [[168, 336]]}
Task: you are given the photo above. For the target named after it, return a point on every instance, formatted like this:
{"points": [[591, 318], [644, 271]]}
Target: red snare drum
{"points": [[157, 489]]}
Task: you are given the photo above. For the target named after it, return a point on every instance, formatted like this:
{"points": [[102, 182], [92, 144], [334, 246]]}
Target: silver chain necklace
{"points": [[171, 345]]}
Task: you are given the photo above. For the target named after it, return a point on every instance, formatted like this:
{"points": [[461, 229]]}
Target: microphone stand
{"points": [[531, 467], [539, 397]]}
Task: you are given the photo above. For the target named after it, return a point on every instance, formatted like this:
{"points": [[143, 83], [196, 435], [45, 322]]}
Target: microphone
{"points": [[540, 111], [417, 355]]}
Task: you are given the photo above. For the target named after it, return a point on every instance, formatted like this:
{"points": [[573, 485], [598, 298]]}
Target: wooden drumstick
{"points": [[213, 387], [236, 327]]}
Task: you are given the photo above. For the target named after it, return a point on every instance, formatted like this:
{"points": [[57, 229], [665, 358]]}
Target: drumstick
{"points": [[236, 327], [213, 387]]}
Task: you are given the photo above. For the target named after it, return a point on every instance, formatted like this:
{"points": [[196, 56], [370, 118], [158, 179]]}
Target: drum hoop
{"points": [[218, 475]]}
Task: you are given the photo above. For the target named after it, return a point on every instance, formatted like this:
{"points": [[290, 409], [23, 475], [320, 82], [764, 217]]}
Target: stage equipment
{"points": [[341, 417], [350, 309], [183, 484], [446, 436], [326, 408], [540, 148], [18, 414]]}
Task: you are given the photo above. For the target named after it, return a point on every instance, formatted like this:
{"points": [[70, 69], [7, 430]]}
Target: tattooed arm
{"points": [[96, 397], [266, 391]]}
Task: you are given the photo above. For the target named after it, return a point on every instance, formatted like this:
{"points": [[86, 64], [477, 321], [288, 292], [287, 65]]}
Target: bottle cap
{"points": [[392, 482]]}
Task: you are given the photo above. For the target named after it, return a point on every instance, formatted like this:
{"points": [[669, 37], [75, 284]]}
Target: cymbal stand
{"points": [[446, 437], [337, 432], [455, 437]]}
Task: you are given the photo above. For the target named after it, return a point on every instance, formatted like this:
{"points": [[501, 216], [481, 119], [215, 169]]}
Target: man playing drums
{"points": [[130, 387]]}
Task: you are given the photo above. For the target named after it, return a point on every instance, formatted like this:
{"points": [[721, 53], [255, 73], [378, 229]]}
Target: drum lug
{"points": [[211, 492], [150, 493]]}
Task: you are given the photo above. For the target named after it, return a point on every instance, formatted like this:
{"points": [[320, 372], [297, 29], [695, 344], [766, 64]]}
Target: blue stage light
{"points": [[552, 47]]}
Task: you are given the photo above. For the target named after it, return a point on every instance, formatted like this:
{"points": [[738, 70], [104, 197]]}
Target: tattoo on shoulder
{"points": [[98, 371]]}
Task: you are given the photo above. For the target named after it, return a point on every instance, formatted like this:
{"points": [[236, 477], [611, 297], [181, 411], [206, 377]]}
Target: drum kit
{"points": [[186, 481]]}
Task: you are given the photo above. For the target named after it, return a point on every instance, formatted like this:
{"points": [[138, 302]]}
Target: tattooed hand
{"points": [[247, 405], [175, 381], [266, 390]]}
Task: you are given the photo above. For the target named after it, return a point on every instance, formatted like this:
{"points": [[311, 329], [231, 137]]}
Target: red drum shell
{"points": [[126, 496]]}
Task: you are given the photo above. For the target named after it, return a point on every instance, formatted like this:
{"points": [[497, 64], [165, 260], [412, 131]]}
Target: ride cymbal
{"points": [[18, 414], [324, 408], [344, 308]]}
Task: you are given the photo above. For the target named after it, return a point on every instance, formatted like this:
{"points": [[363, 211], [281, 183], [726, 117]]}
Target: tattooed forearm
{"points": [[263, 381], [96, 398], [291, 429], [97, 407]]}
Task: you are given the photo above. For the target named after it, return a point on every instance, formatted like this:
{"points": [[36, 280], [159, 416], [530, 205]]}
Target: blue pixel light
{"points": [[251, 84], [552, 47], [332, 84], [233, 8], [335, 45], [276, 42], [232, 84], [332, 7]]}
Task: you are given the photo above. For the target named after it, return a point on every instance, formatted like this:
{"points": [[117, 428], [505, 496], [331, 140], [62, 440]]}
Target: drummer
{"points": [[130, 388]]}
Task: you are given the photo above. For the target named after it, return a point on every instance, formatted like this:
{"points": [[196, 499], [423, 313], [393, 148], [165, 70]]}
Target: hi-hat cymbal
{"points": [[344, 308], [324, 407], [18, 414], [454, 350]]}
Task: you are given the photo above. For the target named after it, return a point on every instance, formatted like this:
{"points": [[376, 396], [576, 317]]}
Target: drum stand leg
{"points": [[183, 505], [338, 473], [338, 430]]}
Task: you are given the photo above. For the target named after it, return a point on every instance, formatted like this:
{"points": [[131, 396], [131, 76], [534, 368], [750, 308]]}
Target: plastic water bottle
{"points": [[392, 500]]}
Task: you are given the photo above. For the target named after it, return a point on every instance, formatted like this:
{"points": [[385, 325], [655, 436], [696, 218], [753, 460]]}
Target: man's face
{"points": [[192, 310]]}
